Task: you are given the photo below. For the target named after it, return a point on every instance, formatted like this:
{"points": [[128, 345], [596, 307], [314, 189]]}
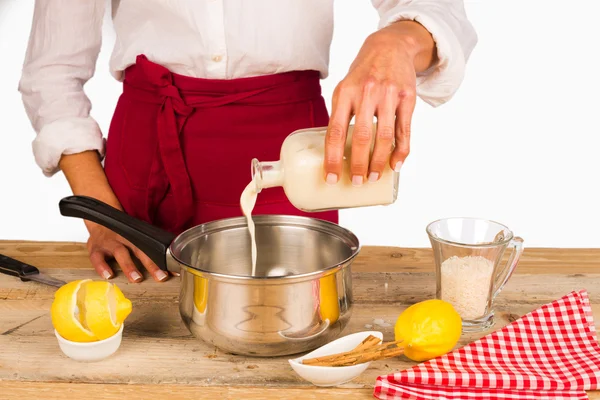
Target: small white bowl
{"points": [[90, 351], [333, 376]]}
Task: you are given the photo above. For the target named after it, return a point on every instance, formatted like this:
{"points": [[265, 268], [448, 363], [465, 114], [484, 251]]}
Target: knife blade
{"points": [[26, 272], [45, 279]]}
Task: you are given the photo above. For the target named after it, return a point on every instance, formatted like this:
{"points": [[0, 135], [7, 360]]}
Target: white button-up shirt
{"points": [[218, 39]]}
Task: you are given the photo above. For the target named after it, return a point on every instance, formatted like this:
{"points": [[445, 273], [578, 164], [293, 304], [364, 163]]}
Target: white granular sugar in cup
{"points": [[466, 284]]}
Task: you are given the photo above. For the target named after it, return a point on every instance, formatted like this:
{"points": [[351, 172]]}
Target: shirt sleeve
{"points": [[453, 34], [64, 43]]}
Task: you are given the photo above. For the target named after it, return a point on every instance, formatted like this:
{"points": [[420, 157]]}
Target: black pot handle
{"points": [[153, 241]]}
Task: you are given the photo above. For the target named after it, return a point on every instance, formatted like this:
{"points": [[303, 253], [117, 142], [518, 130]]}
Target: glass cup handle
{"points": [[503, 276]]}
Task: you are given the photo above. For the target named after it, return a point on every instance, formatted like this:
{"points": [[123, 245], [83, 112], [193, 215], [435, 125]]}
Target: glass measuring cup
{"points": [[469, 275]]}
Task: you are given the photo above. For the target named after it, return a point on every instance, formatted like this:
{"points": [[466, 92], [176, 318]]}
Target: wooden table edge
{"points": [[57, 390]]}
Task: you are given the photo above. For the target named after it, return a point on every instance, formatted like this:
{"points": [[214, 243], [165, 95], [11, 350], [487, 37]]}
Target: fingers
{"points": [[362, 135], [384, 137], [99, 263], [403, 121], [394, 105], [158, 274], [102, 247], [121, 254], [123, 257], [335, 140]]}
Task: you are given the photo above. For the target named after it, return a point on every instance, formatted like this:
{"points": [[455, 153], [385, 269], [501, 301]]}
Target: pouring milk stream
{"points": [[300, 172]]}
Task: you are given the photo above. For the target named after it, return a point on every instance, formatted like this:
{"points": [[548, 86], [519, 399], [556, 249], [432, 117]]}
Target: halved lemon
{"points": [[87, 311]]}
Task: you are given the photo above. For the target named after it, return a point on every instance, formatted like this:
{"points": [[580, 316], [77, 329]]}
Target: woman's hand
{"points": [[104, 243], [86, 178], [381, 82]]}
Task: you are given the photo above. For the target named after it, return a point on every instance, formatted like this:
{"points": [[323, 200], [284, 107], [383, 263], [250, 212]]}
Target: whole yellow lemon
{"points": [[429, 329]]}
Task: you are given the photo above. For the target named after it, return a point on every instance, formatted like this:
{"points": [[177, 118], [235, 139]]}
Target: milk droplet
{"points": [[381, 323]]}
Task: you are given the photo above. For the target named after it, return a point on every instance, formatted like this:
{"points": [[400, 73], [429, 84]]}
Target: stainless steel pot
{"points": [[299, 299]]}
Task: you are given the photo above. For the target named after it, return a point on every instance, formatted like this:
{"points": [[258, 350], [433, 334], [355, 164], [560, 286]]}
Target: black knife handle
{"points": [[10, 266]]}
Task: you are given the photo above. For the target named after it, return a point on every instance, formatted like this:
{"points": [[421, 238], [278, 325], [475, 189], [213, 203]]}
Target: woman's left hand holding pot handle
{"points": [[86, 177]]}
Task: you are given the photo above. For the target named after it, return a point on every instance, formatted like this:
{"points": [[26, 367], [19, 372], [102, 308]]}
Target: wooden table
{"points": [[160, 359]]}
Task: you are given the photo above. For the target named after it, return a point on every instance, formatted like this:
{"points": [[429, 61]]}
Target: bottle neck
{"points": [[267, 174]]}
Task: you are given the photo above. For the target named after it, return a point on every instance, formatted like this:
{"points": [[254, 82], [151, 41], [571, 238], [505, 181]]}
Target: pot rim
{"points": [[197, 232]]}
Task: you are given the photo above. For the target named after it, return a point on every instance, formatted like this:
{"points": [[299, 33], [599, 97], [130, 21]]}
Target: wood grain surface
{"points": [[160, 359]]}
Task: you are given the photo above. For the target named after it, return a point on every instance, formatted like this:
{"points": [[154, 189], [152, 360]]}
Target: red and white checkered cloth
{"points": [[550, 353]]}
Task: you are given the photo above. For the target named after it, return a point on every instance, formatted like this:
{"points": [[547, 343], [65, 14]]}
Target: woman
{"points": [[209, 85]]}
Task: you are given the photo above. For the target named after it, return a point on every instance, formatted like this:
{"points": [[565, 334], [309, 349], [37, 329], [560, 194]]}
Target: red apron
{"points": [[179, 148]]}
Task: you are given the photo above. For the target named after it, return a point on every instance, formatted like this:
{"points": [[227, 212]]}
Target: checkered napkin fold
{"points": [[550, 353]]}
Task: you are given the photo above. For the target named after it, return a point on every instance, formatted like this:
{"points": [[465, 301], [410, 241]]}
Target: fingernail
{"points": [[331, 179], [135, 276], [373, 176], [106, 274], [357, 180], [398, 166], [161, 275]]}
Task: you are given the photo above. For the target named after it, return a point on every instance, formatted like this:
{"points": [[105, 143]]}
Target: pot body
{"points": [[300, 297], [266, 319]]}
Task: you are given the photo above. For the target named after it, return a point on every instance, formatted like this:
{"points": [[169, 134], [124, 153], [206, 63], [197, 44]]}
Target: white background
{"points": [[519, 143]]}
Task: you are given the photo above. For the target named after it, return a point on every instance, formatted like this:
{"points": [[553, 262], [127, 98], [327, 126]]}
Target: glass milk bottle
{"points": [[301, 174]]}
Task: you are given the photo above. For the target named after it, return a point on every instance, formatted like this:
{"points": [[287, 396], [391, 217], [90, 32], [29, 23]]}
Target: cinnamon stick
{"points": [[368, 342], [362, 358], [354, 352], [369, 349]]}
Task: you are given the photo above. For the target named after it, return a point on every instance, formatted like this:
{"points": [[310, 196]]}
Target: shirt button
{"points": [[217, 58]]}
